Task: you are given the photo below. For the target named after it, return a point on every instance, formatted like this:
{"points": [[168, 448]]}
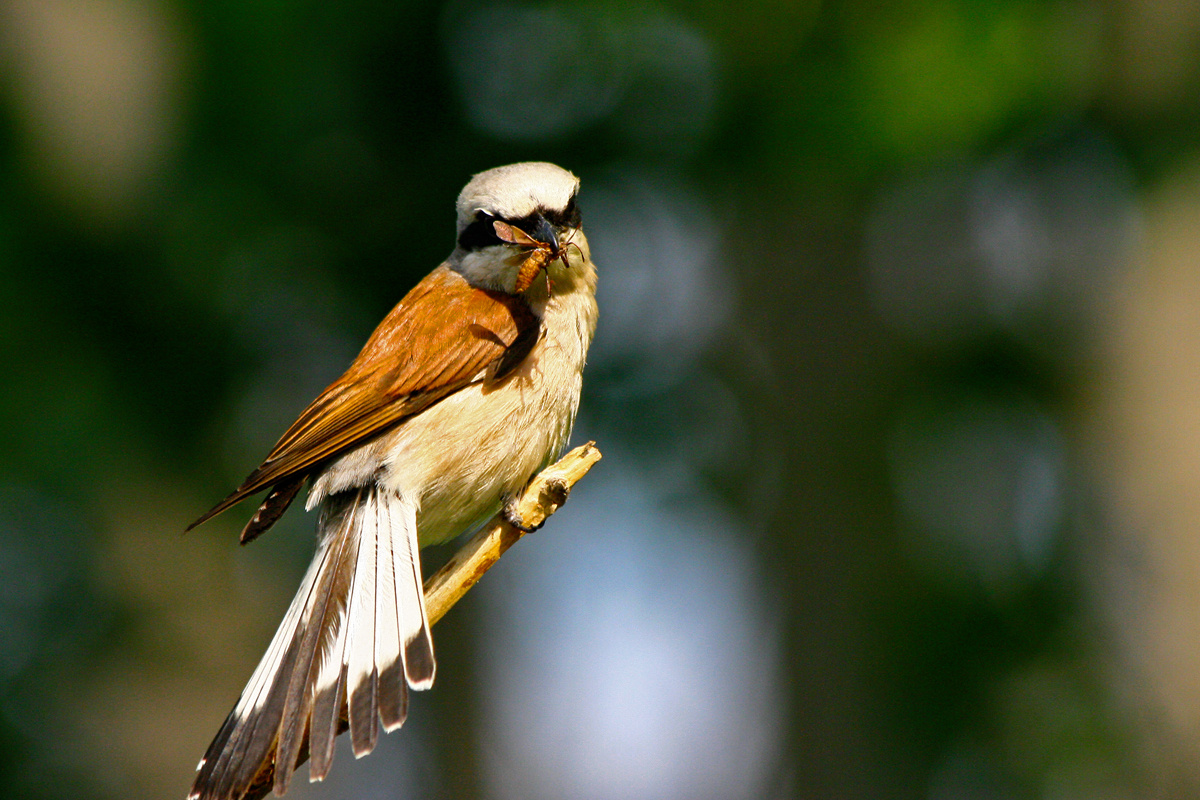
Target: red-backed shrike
{"points": [[464, 391]]}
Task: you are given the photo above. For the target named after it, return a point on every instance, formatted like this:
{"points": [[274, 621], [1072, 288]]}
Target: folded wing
{"points": [[442, 336]]}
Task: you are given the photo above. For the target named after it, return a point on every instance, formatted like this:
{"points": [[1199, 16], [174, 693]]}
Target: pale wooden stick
{"points": [[544, 495]]}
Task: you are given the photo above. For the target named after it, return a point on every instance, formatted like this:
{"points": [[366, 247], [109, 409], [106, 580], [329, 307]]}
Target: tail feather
{"points": [[327, 609], [235, 755], [359, 657], [393, 694], [353, 641], [419, 665], [329, 699]]}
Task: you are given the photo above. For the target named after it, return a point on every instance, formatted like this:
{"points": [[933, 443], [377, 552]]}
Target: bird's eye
{"points": [[480, 233], [571, 215]]}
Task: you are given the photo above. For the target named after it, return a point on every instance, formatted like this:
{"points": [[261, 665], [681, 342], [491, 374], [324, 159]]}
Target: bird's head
{"points": [[508, 215]]}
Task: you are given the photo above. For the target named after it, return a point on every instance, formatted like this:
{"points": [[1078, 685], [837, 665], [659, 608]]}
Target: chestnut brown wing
{"points": [[442, 336]]}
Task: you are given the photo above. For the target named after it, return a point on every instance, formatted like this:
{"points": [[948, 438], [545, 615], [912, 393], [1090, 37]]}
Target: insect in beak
{"points": [[543, 249]]}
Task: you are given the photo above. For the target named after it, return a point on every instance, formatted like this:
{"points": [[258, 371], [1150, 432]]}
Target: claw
{"points": [[512, 517]]}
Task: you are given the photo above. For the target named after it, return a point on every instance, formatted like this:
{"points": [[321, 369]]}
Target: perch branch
{"points": [[544, 495]]}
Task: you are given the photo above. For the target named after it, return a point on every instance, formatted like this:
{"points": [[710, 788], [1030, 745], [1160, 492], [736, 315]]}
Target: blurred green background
{"points": [[897, 381]]}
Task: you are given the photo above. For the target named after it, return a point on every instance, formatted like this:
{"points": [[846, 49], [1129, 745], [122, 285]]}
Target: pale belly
{"points": [[466, 455]]}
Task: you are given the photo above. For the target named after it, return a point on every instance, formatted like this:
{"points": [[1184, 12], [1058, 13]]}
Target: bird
{"points": [[466, 389]]}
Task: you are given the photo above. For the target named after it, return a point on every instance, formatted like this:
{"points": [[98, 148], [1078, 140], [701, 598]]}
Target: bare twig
{"points": [[544, 495]]}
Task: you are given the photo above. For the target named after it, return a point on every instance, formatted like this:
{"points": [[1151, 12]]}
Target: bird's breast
{"points": [[464, 455]]}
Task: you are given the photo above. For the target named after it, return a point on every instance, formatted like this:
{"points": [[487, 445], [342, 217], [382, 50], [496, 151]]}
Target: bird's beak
{"points": [[544, 232]]}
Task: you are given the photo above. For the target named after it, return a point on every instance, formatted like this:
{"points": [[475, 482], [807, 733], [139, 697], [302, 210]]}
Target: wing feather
{"points": [[443, 335]]}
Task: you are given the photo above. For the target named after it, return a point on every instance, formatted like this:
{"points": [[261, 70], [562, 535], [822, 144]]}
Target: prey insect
{"points": [[540, 254]]}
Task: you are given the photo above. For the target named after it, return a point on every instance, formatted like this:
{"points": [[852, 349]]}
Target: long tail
{"points": [[354, 639]]}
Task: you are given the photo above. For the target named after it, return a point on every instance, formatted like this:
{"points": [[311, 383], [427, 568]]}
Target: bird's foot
{"points": [[513, 517]]}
